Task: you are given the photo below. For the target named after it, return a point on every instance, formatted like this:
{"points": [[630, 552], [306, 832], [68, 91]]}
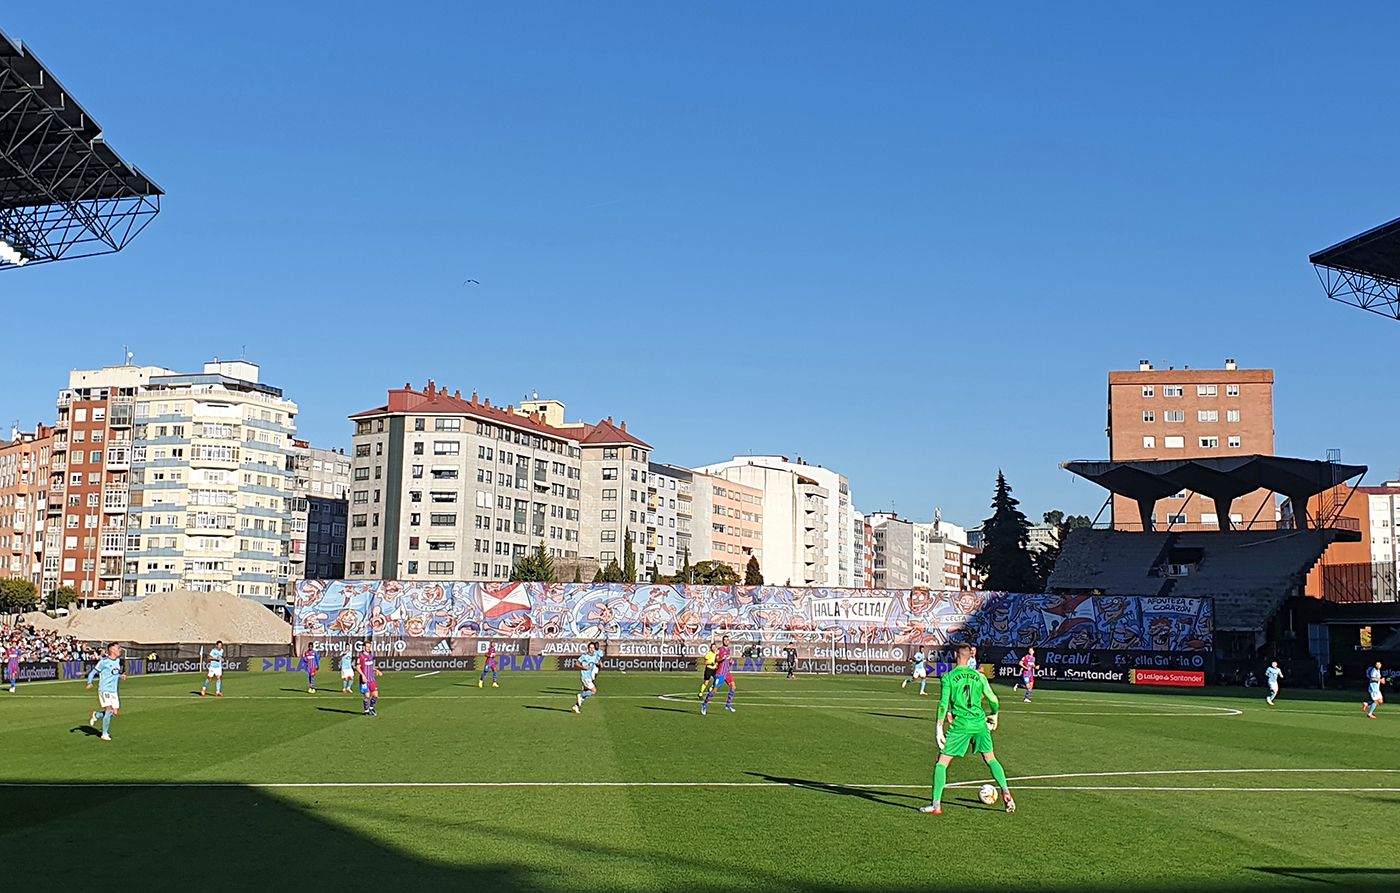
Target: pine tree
{"points": [[629, 559], [1005, 563], [613, 573], [655, 573], [753, 576], [599, 576], [685, 574]]}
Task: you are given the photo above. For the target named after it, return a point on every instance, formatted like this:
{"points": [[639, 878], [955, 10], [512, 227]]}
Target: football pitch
{"points": [[812, 785]]}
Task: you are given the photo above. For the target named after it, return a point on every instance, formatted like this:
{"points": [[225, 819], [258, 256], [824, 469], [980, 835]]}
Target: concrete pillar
{"points": [[1222, 511]]}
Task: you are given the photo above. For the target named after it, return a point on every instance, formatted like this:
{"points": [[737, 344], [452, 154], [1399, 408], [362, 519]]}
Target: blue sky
{"points": [[906, 241]]}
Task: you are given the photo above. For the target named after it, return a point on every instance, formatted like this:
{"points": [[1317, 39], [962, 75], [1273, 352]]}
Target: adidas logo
{"points": [[443, 647]]}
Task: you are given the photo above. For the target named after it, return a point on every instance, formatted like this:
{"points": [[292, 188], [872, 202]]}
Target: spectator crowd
{"points": [[45, 645]]}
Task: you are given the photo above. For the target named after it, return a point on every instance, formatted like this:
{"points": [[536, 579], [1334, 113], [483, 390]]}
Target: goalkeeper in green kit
{"points": [[960, 704]]}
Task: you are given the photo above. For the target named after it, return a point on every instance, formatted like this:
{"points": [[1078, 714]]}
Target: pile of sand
{"points": [[40, 620], [177, 617]]}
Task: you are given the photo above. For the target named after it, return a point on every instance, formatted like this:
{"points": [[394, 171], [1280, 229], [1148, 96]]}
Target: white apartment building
{"points": [[1383, 507], [210, 484], [807, 515], [669, 496]]}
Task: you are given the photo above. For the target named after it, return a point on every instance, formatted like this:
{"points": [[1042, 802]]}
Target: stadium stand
{"points": [[1249, 572]]}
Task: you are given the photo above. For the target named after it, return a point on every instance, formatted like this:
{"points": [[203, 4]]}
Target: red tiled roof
{"points": [[606, 433], [434, 400]]}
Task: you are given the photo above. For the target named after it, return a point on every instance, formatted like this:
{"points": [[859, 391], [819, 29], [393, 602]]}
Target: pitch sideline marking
{"points": [[760, 784], [426, 675]]}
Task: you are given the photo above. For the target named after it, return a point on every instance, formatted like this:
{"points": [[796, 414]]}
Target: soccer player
{"points": [[711, 660], [1374, 681], [588, 671], [1272, 674], [369, 681], [1028, 670], [12, 662], [790, 653], [919, 672], [216, 671], [960, 700], [313, 664], [347, 672], [724, 675], [108, 672], [489, 667]]}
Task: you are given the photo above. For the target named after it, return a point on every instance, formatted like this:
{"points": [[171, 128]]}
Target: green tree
{"points": [[18, 596], [578, 573], [714, 573], [612, 573], [62, 597], [655, 573], [1006, 564], [629, 559], [685, 575], [598, 576], [753, 575], [536, 567]]}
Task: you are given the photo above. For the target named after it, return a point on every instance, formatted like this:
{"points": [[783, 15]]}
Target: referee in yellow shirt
{"points": [[711, 660]]}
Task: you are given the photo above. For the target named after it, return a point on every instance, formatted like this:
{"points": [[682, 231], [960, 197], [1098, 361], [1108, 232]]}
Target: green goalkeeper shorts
{"points": [[956, 741]]}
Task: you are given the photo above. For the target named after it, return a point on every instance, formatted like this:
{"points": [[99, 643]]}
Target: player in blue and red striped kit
{"points": [[724, 675], [490, 667]]}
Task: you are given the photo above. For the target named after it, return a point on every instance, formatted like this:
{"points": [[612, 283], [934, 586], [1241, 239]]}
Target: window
{"points": [[609, 494], [1147, 390], [610, 452], [413, 542], [1209, 443], [444, 474], [1174, 415], [1234, 441], [1149, 415], [1172, 390], [357, 544], [443, 496], [361, 497], [1176, 519], [418, 424], [362, 474], [608, 536], [610, 474], [1205, 390], [438, 519], [413, 567], [1175, 442], [1207, 415], [418, 448], [359, 521], [357, 568], [1232, 415], [609, 515], [440, 567], [1232, 390], [414, 519], [607, 556], [447, 424], [1149, 442], [446, 447]]}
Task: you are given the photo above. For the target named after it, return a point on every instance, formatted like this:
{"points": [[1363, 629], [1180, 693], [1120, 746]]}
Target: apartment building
{"points": [[319, 514], [85, 535], [728, 522], [24, 483], [210, 483], [863, 541], [446, 487], [807, 511], [1191, 414], [901, 552], [671, 482]]}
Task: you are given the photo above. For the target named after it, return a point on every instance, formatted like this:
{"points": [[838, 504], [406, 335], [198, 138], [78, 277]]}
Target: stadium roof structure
{"points": [[64, 193], [1221, 480], [1364, 271]]}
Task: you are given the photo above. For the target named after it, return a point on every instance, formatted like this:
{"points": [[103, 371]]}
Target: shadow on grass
{"points": [[542, 707], [86, 730], [147, 838], [665, 709], [338, 710], [874, 796], [900, 716]]}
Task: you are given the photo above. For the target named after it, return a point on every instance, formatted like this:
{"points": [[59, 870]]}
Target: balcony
{"points": [[64, 401], [119, 417]]}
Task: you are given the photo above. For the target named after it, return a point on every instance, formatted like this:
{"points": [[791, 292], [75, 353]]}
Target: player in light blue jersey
{"points": [[1272, 675], [919, 672], [108, 673], [1374, 680], [588, 672], [347, 672], [216, 671]]}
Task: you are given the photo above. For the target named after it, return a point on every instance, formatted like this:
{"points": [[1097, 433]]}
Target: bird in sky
{"points": [[471, 282]]}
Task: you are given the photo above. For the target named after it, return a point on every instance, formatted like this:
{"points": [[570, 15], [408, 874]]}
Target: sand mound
{"points": [[40, 620], [181, 616]]}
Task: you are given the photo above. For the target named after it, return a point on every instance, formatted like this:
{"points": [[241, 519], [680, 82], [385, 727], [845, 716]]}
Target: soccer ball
{"points": [[987, 794]]}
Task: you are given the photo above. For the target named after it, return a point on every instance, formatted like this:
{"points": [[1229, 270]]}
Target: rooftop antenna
{"points": [[127, 351]]}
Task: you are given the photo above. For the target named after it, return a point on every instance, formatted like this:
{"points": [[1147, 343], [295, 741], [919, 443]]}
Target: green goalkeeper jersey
{"points": [[963, 689]]}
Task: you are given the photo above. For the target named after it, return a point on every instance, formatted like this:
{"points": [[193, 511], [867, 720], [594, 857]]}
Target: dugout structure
{"points": [[1364, 271], [64, 193]]}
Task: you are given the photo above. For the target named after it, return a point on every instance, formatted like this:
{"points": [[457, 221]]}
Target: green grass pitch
{"points": [[813, 785]]}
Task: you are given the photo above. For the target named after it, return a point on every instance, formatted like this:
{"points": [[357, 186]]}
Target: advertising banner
{"points": [[1167, 677], [654, 625]]}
